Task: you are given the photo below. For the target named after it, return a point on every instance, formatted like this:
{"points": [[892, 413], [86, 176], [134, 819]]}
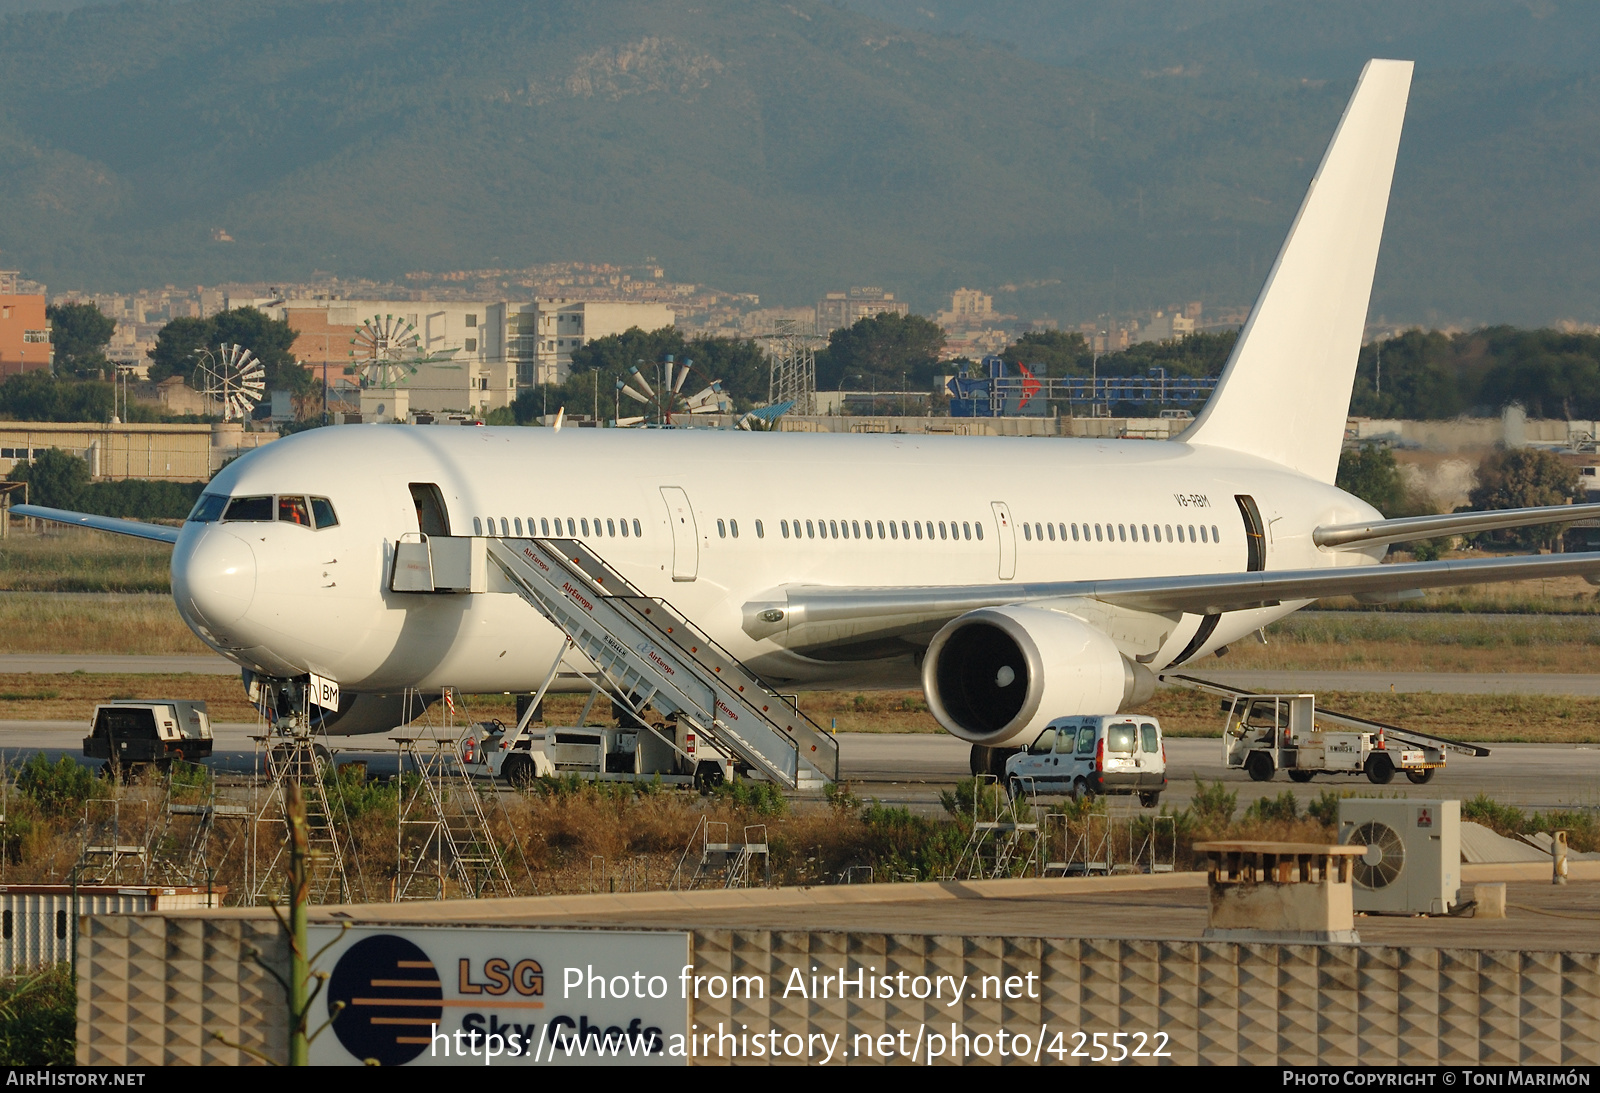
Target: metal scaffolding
{"points": [[792, 357], [444, 836]]}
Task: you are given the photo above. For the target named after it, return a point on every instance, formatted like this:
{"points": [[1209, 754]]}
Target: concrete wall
{"points": [[153, 989]]}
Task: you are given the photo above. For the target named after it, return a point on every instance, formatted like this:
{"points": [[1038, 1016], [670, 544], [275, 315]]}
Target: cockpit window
{"points": [[292, 510], [249, 508], [322, 510], [209, 507]]}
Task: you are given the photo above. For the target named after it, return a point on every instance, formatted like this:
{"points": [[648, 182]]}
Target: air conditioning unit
{"points": [[1413, 861]]}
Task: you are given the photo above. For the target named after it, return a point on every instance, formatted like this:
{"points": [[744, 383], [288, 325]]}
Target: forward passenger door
{"points": [[685, 536]]}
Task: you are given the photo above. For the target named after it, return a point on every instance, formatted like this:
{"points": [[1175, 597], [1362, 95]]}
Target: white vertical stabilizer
{"points": [[1285, 392]]}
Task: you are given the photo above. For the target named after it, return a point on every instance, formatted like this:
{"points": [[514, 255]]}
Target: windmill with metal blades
{"points": [[387, 350], [670, 399], [232, 378]]}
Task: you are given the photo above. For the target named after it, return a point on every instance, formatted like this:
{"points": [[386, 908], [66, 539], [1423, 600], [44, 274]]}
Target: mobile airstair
{"points": [[647, 653]]}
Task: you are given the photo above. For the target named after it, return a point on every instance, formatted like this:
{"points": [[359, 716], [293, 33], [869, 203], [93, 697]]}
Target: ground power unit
{"points": [[1413, 861]]}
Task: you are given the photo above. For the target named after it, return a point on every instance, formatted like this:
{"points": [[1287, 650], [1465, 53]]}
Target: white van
{"points": [[1117, 753]]}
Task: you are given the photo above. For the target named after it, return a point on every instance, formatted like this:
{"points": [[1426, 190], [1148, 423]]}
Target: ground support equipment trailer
{"points": [[133, 732], [1265, 733]]}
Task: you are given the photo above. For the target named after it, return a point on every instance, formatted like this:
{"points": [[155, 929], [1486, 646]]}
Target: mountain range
{"points": [[1076, 157]]}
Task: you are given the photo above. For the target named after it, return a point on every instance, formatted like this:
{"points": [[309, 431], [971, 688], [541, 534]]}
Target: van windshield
{"points": [[1120, 739], [1045, 744]]}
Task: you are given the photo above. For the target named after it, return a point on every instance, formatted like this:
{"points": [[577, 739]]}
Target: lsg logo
{"points": [[499, 976]]}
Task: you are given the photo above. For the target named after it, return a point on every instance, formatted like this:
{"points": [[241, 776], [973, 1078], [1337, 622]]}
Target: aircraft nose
{"points": [[217, 577]]}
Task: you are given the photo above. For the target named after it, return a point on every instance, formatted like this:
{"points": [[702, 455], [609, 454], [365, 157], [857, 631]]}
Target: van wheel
{"points": [[1014, 788], [1260, 766], [1080, 790], [1150, 800], [1421, 777], [1380, 769], [1302, 776]]}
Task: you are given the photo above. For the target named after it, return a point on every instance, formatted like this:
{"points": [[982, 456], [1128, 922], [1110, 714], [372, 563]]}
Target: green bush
{"points": [[57, 788], [1282, 807], [39, 1018], [1325, 809], [761, 798], [348, 788], [900, 843], [989, 796], [1483, 809], [1213, 805]]}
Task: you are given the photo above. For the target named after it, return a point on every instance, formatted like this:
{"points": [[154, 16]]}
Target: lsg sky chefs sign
{"points": [[508, 997]]}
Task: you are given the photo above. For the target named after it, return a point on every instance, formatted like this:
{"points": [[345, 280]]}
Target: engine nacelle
{"points": [[998, 675]]}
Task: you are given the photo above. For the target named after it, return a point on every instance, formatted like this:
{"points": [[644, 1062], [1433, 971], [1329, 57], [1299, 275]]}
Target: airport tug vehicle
{"points": [[1265, 733]]}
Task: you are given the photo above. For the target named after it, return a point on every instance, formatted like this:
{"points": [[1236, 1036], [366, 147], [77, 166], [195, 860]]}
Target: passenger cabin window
{"points": [[209, 508], [432, 517], [292, 510], [1121, 739], [249, 508]]}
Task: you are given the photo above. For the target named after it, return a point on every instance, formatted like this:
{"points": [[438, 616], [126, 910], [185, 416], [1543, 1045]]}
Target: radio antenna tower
{"points": [[793, 359]]}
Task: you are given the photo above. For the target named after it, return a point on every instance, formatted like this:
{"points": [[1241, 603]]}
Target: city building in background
{"points": [[24, 333], [474, 355], [838, 310]]}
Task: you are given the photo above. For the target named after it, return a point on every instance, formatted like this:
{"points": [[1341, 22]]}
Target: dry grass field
{"points": [[76, 560], [144, 624], [75, 591]]}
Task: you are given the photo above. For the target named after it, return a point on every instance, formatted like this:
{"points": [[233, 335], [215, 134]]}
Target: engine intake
{"points": [[998, 675]]}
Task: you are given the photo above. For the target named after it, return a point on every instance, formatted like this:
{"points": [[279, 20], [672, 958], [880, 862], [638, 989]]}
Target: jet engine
{"points": [[998, 675], [360, 714]]}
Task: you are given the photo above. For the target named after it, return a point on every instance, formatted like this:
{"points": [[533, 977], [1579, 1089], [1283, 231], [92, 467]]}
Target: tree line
{"points": [[1419, 374]]}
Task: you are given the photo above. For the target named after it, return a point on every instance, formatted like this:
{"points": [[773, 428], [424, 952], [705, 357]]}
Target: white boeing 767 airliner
{"points": [[1017, 580]]}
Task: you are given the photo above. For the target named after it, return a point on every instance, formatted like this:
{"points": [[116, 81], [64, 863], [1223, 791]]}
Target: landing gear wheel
{"points": [[1150, 800], [1380, 769], [978, 760], [518, 770], [1260, 767], [1421, 777], [707, 776], [1302, 776]]}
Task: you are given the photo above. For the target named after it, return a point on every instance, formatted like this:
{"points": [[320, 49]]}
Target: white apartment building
{"points": [[480, 352], [561, 325]]}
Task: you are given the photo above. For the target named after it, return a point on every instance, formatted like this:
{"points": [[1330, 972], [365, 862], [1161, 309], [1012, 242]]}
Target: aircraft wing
{"points": [[161, 533], [817, 617], [1411, 528]]}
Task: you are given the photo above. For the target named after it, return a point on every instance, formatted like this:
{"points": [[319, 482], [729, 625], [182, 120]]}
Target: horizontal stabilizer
{"points": [[1408, 529], [161, 533]]}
